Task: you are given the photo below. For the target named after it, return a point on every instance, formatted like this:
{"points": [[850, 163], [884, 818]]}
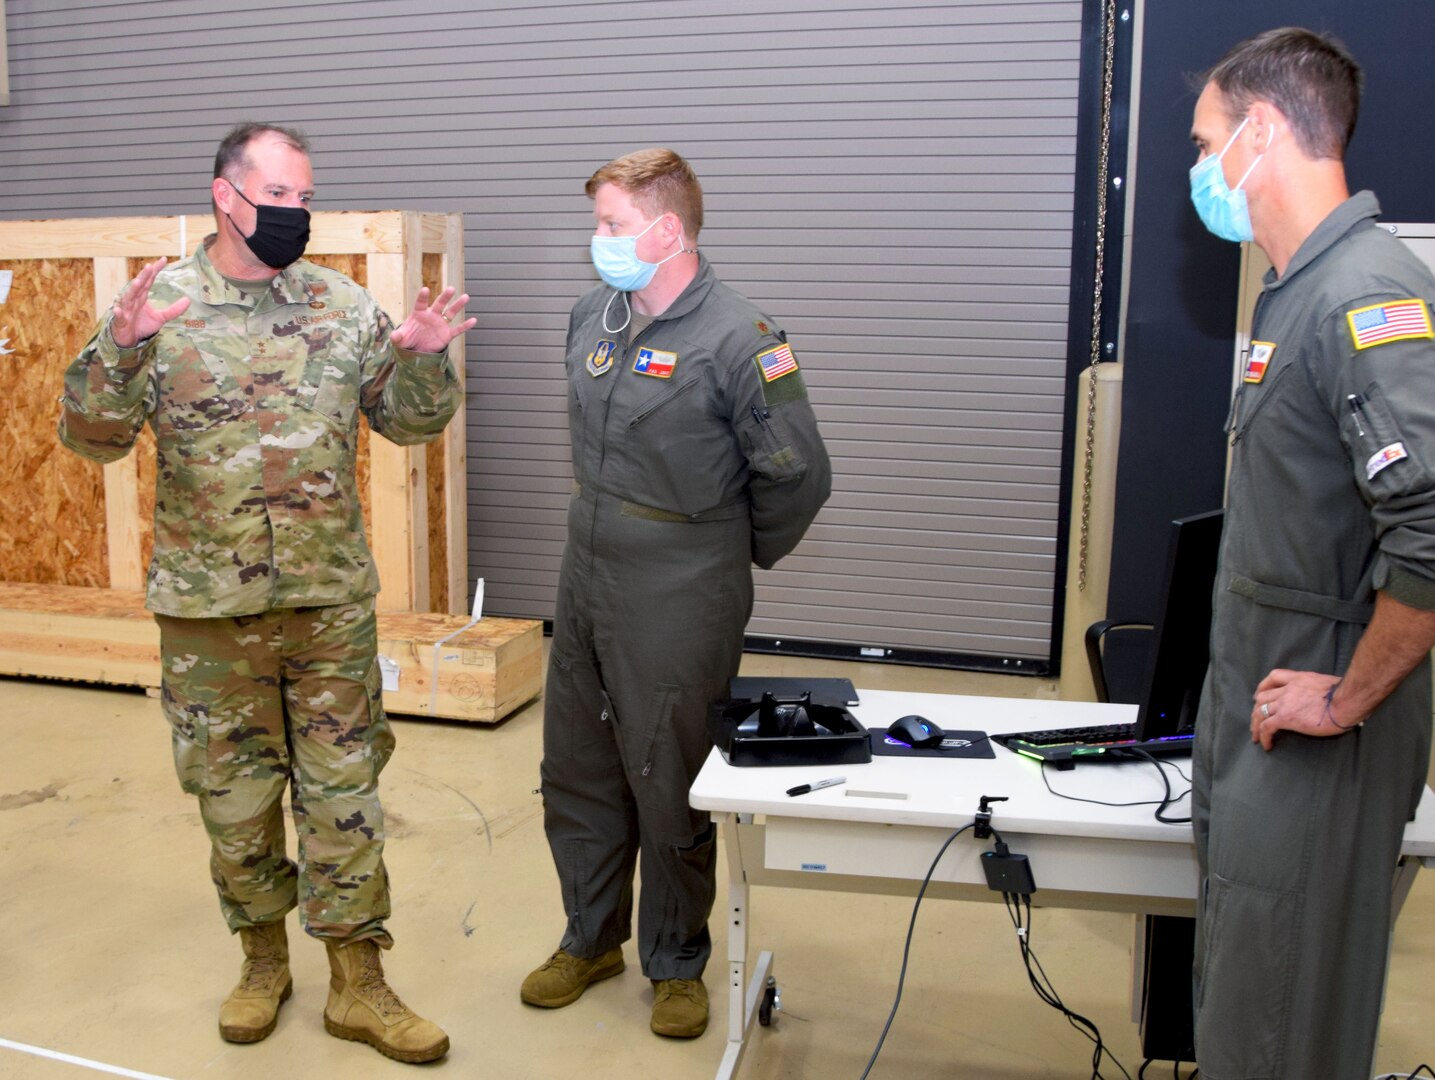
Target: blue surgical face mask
{"points": [[616, 260], [1222, 210]]}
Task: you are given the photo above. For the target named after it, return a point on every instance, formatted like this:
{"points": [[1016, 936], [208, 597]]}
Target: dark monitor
{"points": [[1183, 627]]}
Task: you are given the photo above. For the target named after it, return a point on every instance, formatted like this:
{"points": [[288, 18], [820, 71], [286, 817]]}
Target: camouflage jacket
{"points": [[254, 404]]}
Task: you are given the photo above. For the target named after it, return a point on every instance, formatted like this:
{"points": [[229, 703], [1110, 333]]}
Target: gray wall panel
{"points": [[892, 184]]}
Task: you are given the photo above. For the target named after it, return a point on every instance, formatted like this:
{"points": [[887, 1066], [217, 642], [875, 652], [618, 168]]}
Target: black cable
{"points": [[1166, 783], [1016, 905], [1160, 804], [907, 948]]}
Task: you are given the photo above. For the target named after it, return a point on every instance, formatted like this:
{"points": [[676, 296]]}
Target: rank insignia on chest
{"points": [[601, 358], [1393, 321], [775, 363], [1258, 360], [655, 362]]}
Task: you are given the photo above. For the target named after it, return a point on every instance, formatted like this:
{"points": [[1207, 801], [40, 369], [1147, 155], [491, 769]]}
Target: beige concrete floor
{"points": [[112, 948]]}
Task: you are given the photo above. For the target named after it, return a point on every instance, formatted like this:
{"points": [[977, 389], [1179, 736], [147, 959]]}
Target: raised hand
{"points": [[134, 318], [429, 329]]}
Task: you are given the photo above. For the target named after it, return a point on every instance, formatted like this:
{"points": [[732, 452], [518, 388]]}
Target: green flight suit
{"points": [[262, 581], [695, 454], [1332, 497]]}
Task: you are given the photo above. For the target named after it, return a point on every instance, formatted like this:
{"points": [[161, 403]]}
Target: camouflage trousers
{"points": [[289, 696]]}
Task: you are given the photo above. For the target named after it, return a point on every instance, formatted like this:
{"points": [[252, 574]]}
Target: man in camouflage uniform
{"points": [[695, 454], [251, 367]]}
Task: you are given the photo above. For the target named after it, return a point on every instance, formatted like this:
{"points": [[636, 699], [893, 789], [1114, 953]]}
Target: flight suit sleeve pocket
{"points": [[769, 446], [1386, 462]]}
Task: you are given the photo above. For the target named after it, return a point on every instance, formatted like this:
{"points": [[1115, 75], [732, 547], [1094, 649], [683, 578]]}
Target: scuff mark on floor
{"points": [[28, 798]]}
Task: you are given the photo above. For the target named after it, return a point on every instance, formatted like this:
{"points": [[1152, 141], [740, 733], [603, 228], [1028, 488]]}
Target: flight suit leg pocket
{"points": [[660, 772], [1241, 1015]]}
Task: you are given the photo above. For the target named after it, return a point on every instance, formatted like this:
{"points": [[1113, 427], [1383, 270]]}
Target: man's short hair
{"points": [[232, 161], [1311, 77], [659, 182]]}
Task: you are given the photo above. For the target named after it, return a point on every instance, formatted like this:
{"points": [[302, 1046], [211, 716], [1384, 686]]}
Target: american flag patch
{"points": [[775, 363], [1393, 321]]}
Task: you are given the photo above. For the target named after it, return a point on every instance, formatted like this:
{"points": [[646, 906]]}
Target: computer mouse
{"points": [[915, 731]]}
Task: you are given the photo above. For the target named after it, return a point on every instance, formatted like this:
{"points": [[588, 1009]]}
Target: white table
{"points": [[879, 831]]}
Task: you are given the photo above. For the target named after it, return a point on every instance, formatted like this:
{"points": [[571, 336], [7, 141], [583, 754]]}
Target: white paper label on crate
{"points": [[389, 673], [478, 601], [6, 276]]}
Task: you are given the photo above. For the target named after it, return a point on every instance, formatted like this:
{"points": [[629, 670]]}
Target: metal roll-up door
{"points": [[891, 183]]}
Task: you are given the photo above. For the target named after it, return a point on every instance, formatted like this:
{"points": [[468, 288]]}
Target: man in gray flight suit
{"points": [[695, 455], [1314, 731]]}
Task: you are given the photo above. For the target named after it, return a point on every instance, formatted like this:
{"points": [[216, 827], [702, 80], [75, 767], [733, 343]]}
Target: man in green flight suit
{"points": [[252, 367], [695, 454], [1314, 731]]}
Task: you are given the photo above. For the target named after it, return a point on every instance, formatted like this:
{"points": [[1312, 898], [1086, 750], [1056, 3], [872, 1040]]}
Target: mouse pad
{"points": [[978, 746]]}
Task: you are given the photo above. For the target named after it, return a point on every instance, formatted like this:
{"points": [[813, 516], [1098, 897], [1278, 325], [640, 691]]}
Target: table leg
{"points": [[744, 994]]}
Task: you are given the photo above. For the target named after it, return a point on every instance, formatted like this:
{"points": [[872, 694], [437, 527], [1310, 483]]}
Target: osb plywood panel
{"points": [[357, 268], [434, 463], [54, 517]]}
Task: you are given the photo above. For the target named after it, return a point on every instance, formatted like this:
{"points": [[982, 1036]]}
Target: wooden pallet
{"points": [[106, 636]]}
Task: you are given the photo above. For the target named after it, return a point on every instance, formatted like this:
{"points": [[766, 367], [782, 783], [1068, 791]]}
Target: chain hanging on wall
{"points": [[1108, 65]]}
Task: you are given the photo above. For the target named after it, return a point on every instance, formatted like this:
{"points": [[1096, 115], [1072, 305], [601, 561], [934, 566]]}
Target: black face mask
{"points": [[280, 233]]}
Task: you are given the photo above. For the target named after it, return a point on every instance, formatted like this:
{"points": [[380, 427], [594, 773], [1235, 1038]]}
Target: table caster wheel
{"points": [[771, 1001]]}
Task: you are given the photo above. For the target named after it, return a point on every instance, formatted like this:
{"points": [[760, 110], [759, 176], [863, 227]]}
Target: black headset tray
{"points": [[787, 730]]}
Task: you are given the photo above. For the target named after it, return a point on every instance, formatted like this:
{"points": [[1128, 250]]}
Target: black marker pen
{"points": [[803, 789]]}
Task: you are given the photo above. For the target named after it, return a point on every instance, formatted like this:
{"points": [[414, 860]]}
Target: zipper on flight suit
{"points": [[675, 392], [1234, 428]]}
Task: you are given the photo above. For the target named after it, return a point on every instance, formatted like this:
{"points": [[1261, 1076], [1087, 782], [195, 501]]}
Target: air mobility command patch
{"points": [[601, 358], [655, 362], [1258, 360], [1394, 320]]}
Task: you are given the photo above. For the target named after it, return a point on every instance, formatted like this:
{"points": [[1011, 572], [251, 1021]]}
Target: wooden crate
{"points": [[106, 636], [73, 522]]}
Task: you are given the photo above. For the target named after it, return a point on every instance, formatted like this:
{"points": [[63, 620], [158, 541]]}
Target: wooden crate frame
{"points": [[106, 636], [393, 244]]}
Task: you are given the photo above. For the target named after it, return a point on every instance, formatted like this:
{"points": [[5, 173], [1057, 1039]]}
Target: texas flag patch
{"points": [[656, 363], [1258, 361], [775, 363], [1393, 321]]}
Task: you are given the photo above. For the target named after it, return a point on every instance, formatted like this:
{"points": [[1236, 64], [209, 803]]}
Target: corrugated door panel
{"points": [[891, 183]]}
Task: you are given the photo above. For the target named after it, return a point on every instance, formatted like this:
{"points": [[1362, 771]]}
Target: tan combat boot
{"points": [[363, 1007], [680, 1008], [251, 1011]]}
